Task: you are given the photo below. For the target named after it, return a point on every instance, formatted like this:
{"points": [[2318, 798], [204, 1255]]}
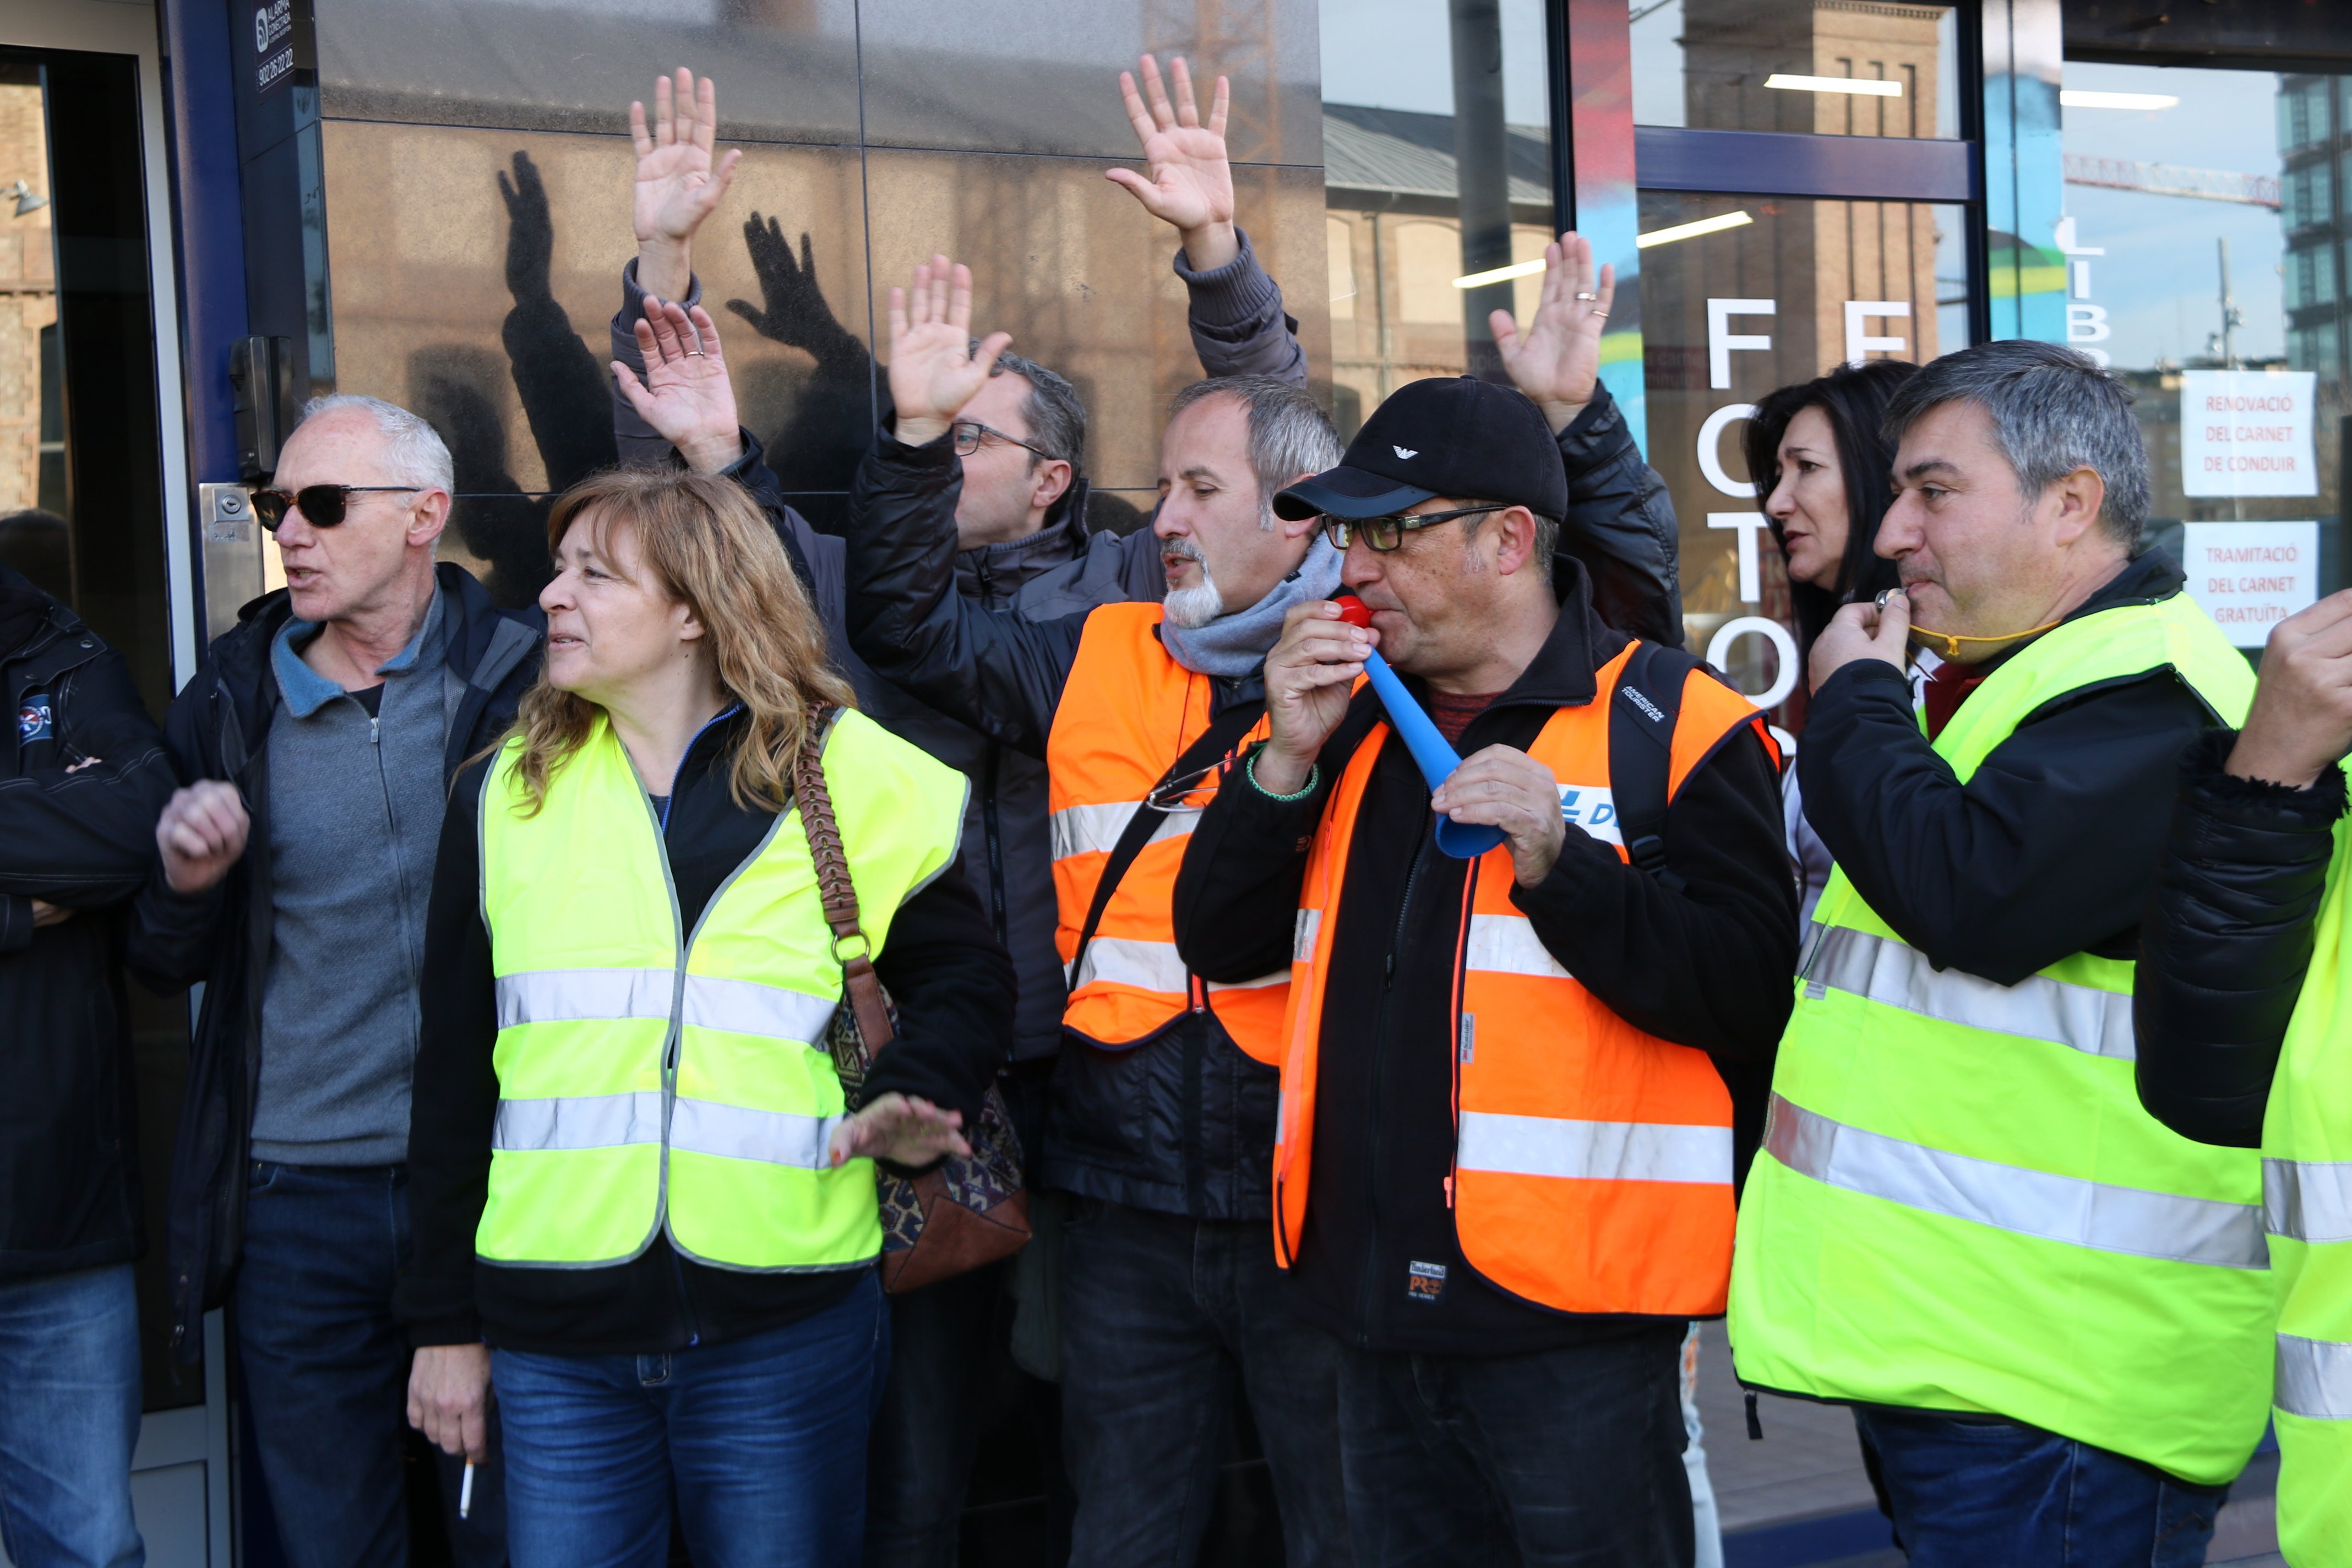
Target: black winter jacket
{"points": [[950, 981], [1706, 965], [2047, 850], [1185, 1125], [2225, 941], [82, 840], [217, 730]]}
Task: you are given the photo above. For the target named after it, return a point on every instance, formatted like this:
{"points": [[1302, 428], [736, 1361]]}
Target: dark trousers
{"points": [[1157, 1314], [325, 1371], [1970, 1489], [1567, 1456]]}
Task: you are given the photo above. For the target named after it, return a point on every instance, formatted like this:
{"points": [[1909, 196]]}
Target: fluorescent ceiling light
{"points": [[1501, 274], [1868, 87], [2081, 97], [1693, 230]]}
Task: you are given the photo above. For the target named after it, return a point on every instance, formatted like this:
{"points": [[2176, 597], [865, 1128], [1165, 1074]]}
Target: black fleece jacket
{"points": [[2226, 939], [944, 969], [1708, 966], [2047, 850]]}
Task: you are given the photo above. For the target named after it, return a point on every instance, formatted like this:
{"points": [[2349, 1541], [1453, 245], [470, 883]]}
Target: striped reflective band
{"points": [[1095, 829], [1303, 933], [2308, 1200], [2010, 1197], [1507, 945], [1593, 1150], [697, 1127], [1125, 961], [2314, 1378], [2098, 1023], [738, 1006]]}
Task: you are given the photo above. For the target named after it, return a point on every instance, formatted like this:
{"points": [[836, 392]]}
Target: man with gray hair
{"points": [[317, 745], [2048, 1312]]}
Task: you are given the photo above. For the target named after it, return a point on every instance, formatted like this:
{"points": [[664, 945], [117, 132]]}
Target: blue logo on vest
{"points": [[33, 718]]}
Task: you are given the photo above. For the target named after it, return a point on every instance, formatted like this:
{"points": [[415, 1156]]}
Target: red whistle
{"points": [[1354, 611]]}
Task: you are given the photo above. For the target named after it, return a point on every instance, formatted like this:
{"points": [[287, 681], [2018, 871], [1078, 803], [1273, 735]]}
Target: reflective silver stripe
{"points": [[2083, 1017], [2314, 1378], [1095, 829], [748, 1007], [1507, 945], [1124, 961], [734, 1133], [1279, 977], [560, 996], [2308, 1200], [578, 1121], [2010, 1197], [1594, 1150], [1302, 935], [739, 1007]]}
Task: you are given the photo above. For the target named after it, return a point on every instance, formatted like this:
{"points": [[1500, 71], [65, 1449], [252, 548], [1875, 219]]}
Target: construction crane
{"points": [[2172, 180]]}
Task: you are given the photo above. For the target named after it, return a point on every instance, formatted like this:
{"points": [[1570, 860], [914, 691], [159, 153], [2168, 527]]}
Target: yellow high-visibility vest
{"points": [[1961, 1204], [651, 1079]]}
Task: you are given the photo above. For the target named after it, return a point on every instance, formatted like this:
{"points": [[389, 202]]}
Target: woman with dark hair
{"points": [[1822, 468]]}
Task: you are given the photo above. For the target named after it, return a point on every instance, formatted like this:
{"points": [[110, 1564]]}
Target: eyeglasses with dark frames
{"points": [[1382, 534], [969, 433], [323, 506]]}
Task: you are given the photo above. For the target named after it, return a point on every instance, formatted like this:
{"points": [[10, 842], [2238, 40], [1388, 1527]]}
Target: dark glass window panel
{"points": [[1707, 64], [1437, 166]]}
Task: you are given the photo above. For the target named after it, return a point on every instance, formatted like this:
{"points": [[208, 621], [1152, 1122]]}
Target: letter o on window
{"points": [[1719, 651]]}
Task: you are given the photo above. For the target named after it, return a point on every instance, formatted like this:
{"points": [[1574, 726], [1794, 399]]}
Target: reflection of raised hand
{"points": [[1557, 360], [1192, 185], [684, 395], [795, 313], [531, 231], [934, 370], [679, 183]]}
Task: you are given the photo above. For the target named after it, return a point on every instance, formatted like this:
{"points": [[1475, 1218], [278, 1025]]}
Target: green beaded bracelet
{"points": [[1313, 775]]}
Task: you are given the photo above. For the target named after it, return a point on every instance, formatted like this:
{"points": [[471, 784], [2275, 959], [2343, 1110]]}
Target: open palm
{"points": [[1557, 360], [685, 395], [1192, 183], [679, 183], [934, 368]]}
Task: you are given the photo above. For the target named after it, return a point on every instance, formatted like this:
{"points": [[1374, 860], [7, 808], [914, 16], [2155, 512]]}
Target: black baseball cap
{"points": [[1447, 435]]}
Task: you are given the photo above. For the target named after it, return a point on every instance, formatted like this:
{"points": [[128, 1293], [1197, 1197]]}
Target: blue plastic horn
{"points": [[1438, 759]]}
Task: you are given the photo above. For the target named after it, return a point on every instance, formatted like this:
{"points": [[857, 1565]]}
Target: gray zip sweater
{"points": [[356, 806]]}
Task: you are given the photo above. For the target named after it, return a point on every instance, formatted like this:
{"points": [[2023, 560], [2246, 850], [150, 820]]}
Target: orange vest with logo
{"points": [[1127, 712], [1592, 1162]]}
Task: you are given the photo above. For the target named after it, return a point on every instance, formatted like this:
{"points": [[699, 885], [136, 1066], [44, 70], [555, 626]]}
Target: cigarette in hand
{"points": [[466, 1491]]}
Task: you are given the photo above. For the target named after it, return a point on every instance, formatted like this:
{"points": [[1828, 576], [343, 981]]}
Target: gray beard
{"points": [[1194, 607]]}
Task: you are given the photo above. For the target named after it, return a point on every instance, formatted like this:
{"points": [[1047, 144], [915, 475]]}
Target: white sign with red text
{"points": [[2247, 433], [2250, 576]]}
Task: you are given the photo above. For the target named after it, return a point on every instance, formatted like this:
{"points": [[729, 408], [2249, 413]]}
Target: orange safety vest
{"points": [[1592, 1160], [1127, 712]]}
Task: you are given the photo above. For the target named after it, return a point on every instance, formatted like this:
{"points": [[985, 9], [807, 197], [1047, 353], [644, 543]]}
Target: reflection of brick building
{"points": [[28, 295]]}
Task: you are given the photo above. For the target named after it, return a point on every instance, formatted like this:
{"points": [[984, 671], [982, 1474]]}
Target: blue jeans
{"points": [[1971, 1489], [325, 1371], [762, 1440], [1556, 1459], [1159, 1313], [68, 1419]]}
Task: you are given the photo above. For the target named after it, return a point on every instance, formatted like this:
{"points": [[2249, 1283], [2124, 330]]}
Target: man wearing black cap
{"points": [[1510, 1077]]}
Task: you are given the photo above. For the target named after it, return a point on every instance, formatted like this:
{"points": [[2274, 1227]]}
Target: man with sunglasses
{"points": [[1499, 1069], [318, 742]]}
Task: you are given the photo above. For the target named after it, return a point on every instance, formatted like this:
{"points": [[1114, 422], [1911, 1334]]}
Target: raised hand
{"points": [[1861, 631], [898, 1128], [795, 313], [1192, 183], [2301, 723], [934, 370], [685, 394], [1557, 360], [680, 182], [1309, 676]]}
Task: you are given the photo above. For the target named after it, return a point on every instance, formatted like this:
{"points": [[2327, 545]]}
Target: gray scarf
{"points": [[1235, 645]]}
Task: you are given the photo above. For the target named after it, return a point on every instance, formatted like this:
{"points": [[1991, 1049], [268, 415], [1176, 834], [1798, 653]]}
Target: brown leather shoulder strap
{"points": [[835, 888]]}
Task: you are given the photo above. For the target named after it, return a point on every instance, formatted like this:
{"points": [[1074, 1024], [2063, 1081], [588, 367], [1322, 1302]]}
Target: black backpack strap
{"points": [[1224, 731], [1642, 714]]}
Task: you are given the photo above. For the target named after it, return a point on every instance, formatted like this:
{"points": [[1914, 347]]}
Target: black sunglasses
{"points": [[1382, 534], [323, 506]]}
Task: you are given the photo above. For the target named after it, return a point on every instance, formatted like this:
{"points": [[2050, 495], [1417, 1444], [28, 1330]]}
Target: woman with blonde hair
{"points": [[643, 1212]]}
